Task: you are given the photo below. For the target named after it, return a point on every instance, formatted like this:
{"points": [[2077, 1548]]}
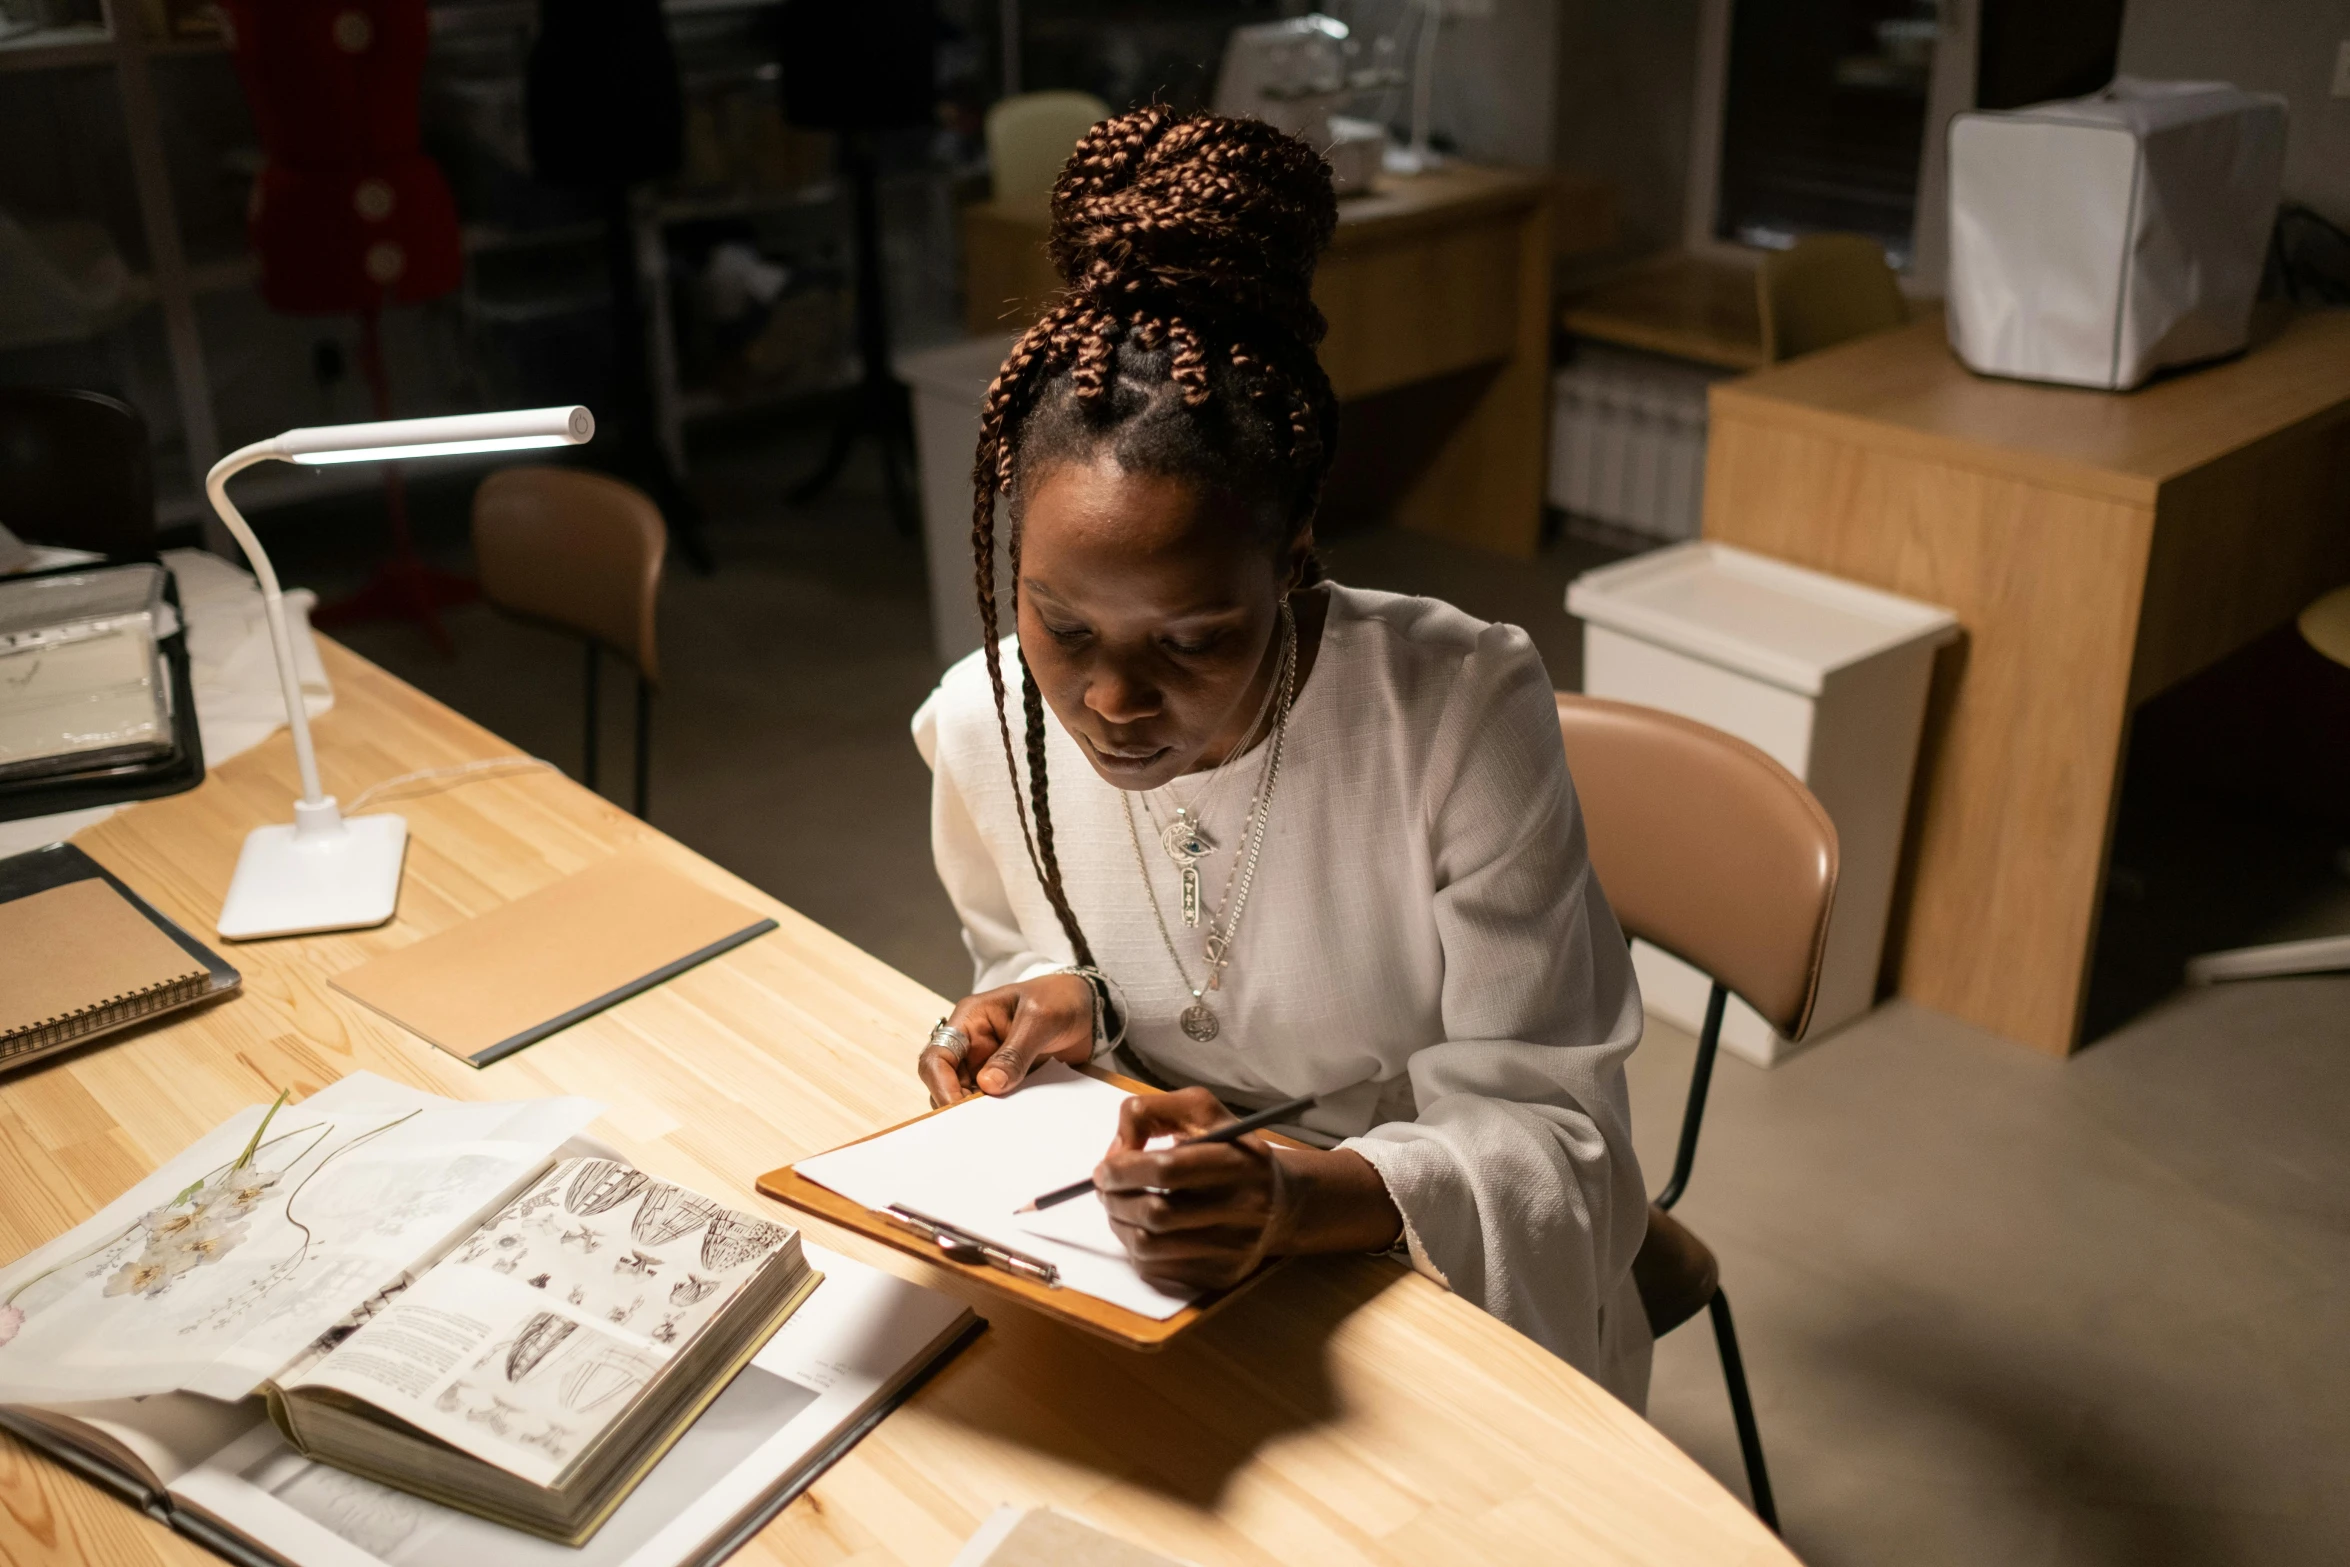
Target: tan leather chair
{"points": [[76, 470], [1029, 137], [2325, 626], [582, 553], [1827, 288], [1712, 851]]}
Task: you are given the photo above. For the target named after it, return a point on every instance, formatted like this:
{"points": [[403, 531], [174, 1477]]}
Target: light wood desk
{"points": [[1345, 1412], [1429, 276], [1691, 307], [2097, 547]]}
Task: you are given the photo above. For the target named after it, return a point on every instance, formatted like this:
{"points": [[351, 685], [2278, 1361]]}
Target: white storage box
{"points": [[1826, 677], [1627, 440], [950, 383], [2095, 240]]}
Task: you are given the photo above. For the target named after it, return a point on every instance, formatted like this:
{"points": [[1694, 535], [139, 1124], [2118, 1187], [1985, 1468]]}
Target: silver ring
{"points": [[950, 1039]]}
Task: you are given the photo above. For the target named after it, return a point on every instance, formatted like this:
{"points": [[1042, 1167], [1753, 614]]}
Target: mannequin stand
{"points": [[629, 439], [405, 586], [877, 406]]}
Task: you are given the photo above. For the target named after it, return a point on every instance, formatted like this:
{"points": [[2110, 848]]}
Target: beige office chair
{"points": [[2325, 626], [1828, 288], [582, 553], [1030, 136], [1720, 856]]}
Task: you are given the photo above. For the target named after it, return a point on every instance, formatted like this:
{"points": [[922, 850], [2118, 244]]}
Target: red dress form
{"points": [[348, 214]]}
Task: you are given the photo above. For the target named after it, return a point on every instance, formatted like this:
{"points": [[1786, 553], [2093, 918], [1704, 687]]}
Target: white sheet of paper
{"points": [[975, 1164]]}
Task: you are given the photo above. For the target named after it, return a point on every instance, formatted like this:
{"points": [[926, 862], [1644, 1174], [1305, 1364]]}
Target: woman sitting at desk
{"points": [[1285, 837]]}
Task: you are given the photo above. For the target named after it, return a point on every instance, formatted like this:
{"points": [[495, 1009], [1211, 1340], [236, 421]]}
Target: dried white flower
{"points": [[171, 1222], [212, 1241], [236, 1193], [145, 1275]]}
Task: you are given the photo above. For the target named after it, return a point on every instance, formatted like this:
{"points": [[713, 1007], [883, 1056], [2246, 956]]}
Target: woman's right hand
{"points": [[1010, 1030]]}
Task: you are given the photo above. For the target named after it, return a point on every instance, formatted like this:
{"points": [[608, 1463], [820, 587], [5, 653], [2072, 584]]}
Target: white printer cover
{"points": [[2095, 240]]}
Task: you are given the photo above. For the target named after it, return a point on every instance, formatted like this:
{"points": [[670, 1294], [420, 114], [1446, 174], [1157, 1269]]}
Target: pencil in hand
{"points": [[1255, 1121]]}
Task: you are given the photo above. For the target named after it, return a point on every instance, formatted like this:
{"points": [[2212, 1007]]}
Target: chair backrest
{"points": [[2325, 625], [1829, 287], [1031, 135], [75, 471], [1707, 848], [577, 550]]}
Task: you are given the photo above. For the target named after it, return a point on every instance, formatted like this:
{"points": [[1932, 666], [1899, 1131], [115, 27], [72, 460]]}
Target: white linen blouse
{"points": [[1426, 947]]}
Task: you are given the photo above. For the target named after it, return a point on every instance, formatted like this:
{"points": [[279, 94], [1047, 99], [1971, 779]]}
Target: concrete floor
{"points": [[1995, 1308]]}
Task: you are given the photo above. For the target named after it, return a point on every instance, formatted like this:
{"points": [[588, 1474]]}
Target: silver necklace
{"points": [[1184, 837], [1199, 1020]]}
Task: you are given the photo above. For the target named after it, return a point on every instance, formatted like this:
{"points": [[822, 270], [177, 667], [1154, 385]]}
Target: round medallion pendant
{"points": [[1199, 1022], [1185, 842]]}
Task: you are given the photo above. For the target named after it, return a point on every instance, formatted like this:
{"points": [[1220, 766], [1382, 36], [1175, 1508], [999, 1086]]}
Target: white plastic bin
{"points": [[950, 383], [1825, 676]]}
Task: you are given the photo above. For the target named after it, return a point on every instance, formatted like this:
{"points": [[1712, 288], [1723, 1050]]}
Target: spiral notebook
{"points": [[79, 959]]}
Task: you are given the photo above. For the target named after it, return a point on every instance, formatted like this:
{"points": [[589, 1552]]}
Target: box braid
{"points": [[1184, 342]]}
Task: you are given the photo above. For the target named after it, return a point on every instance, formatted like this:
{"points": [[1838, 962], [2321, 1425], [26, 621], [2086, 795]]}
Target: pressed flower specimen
{"points": [[201, 1225]]}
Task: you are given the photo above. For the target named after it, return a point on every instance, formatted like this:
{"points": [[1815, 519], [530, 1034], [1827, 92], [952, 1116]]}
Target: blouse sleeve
{"points": [[1516, 1177], [1000, 953]]}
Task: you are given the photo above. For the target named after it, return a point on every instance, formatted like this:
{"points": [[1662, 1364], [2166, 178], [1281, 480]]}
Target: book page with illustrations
{"points": [[218, 1270], [532, 1337]]}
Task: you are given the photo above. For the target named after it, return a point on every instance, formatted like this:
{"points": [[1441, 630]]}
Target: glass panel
{"points": [[1824, 119]]}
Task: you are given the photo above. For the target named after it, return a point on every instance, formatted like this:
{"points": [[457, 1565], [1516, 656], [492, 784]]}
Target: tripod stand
{"points": [[632, 443], [877, 406]]}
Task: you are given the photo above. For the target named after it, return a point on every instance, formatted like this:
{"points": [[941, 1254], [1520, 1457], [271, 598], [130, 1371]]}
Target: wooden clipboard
{"points": [[1099, 1317]]}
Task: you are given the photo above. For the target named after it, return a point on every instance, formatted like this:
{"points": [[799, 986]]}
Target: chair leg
{"points": [[644, 746], [1701, 1076], [1758, 1479], [587, 768]]}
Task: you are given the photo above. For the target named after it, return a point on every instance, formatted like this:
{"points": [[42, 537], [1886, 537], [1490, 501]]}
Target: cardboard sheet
{"points": [[509, 978]]}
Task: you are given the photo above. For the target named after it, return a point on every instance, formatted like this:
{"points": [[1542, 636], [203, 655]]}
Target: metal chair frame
{"points": [[644, 730], [1758, 1475]]}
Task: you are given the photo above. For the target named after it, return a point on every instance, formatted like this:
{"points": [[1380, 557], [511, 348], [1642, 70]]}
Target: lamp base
{"points": [[322, 871]]}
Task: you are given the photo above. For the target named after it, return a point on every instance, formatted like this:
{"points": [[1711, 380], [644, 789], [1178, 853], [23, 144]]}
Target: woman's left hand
{"points": [[1206, 1216]]}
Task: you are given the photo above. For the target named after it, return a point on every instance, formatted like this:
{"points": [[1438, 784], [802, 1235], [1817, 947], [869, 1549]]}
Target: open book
{"points": [[345, 1255], [536, 1372], [221, 1474]]}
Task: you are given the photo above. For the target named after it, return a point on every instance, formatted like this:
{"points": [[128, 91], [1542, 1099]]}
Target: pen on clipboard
{"points": [[1255, 1121], [960, 1245]]}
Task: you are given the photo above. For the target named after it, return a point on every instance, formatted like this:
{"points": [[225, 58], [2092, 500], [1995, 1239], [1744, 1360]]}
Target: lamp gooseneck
{"points": [[315, 807]]}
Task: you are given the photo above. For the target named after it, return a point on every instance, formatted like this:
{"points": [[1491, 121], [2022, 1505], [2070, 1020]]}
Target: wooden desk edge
{"points": [[1736, 400]]}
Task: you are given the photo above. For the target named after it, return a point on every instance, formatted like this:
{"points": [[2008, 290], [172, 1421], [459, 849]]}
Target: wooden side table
{"points": [[1699, 308], [1431, 276], [2098, 548]]}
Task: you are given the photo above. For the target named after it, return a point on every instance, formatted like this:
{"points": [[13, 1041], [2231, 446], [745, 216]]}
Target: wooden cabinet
{"points": [[2097, 547], [1432, 276]]}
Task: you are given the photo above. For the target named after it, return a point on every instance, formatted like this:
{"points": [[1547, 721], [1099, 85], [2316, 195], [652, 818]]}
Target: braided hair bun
{"points": [[1184, 346], [1195, 216]]}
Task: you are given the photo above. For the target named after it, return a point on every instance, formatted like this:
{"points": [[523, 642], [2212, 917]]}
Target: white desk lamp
{"points": [[326, 871]]}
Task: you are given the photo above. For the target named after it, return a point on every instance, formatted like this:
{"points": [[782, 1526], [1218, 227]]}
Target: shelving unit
{"points": [[119, 41], [193, 287]]}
